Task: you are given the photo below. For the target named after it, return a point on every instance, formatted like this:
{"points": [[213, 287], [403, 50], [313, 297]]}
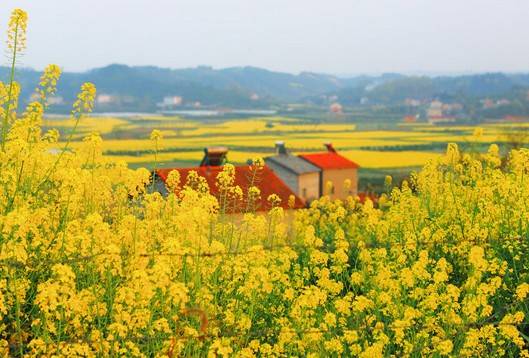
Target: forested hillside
{"points": [[143, 88]]}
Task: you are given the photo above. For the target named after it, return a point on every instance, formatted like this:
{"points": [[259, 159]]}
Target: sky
{"points": [[327, 36]]}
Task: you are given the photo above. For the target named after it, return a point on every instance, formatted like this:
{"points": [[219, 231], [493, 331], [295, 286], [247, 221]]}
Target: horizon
{"points": [[336, 37], [338, 75]]}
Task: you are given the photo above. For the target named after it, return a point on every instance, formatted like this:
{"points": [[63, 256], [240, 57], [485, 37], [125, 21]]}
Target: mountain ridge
{"points": [[143, 88]]}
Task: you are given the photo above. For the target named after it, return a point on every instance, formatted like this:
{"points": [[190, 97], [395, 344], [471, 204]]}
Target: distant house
{"points": [[302, 177], [55, 100], [410, 119], [487, 103], [435, 110], [336, 108], [171, 101], [412, 102], [452, 107], [104, 98], [335, 171], [51, 100], [212, 164]]}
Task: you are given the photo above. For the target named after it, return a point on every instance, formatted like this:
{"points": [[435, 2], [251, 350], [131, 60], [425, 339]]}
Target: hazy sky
{"points": [[333, 36]]}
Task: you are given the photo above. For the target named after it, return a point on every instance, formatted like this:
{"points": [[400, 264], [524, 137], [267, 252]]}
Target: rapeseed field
{"points": [[126, 139], [94, 263]]}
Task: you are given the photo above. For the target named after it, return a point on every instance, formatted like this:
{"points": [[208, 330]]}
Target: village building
{"points": [[52, 100], [487, 103], [302, 177], [171, 101], [435, 110], [436, 113], [503, 102], [410, 119], [336, 108], [212, 164], [412, 102], [338, 175], [104, 98], [55, 100], [452, 107]]}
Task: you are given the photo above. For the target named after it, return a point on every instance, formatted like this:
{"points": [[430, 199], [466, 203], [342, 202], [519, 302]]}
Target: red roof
{"points": [[363, 196], [267, 182], [330, 160]]}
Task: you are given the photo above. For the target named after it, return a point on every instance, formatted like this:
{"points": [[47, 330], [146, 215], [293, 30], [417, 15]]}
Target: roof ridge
{"points": [[320, 159]]}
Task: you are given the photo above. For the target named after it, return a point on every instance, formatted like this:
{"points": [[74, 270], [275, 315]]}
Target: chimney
{"points": [[214, 156], [280, 147], [330, 147]]}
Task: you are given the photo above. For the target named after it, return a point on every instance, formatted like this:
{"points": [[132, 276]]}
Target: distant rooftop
{"points": [[290, 162], [293, 163], [330, 160]]}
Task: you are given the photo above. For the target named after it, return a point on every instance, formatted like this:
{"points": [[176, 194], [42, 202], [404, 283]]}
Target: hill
{"points": [[125, 88]]}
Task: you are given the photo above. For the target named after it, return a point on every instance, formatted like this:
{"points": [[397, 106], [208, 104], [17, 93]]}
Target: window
{"points": [[304, 192]]}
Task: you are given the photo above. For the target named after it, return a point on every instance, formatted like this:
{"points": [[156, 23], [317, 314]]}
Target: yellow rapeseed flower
{"points": [[16, 30]]}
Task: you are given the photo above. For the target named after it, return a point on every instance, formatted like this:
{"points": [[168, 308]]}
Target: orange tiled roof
{"points": [[268, 182], [330, 160]]}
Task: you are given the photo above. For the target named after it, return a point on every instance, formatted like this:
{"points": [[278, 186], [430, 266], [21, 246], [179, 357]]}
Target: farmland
{"points": [[396, 151]]}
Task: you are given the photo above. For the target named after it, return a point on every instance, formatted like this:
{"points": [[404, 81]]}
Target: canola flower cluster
{"points": [[95, 264]]}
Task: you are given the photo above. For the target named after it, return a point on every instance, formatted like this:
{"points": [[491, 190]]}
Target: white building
{"points": [[104, 98], [171, 101], [435, 110], [55, 100]]}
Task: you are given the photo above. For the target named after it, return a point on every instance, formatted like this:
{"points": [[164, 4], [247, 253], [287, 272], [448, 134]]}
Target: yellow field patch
{"points": [[245, 139], [462, 138], [264, 126], [380, 159], [101, 125]]}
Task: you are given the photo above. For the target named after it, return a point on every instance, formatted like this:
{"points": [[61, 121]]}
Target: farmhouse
{"points": [[212, 164], [302, 177], [435, 110], [338, 175], [410, 119]]}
